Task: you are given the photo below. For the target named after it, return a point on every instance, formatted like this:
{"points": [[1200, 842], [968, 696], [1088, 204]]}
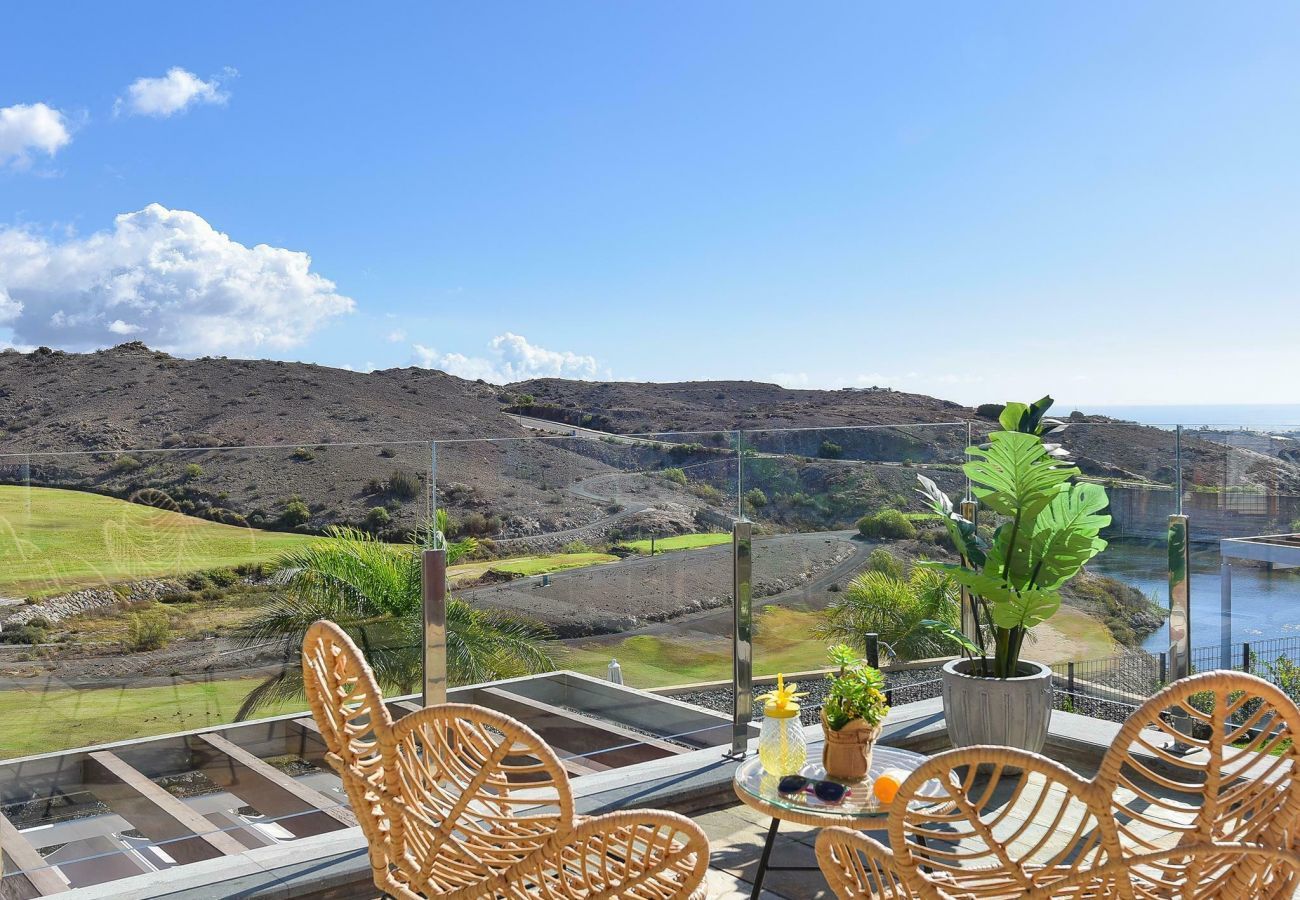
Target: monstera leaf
{"points": [[1025, 609], [1015, 475], [934, 496], [1027, 419], [1009, 557], [964, 534], [1065, 535], [990, 587]]}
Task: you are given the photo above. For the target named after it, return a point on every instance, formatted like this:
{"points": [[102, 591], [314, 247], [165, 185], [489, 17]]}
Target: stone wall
{"points": [[56, 609], [1144, 513]]}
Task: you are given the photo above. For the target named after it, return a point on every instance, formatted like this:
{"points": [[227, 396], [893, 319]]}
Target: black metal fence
{"points": [[1112, 688]]}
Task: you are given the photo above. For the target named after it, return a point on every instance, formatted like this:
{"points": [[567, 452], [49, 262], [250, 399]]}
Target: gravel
{"points": [[906, 687]]}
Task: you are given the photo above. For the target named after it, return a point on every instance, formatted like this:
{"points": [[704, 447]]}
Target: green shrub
{"points": [[193, 471], [525, 400], [1285, 674], [225, 516], [989, 410], [578, 546], [149, 630], [302, 454], [377, 518], [675, 475], [756, 498], [295, 513], [404, 485], [476, 524], [387, 453], [706, 492], [23, 634], [830, 450], [223, 577], [888, 523], [881, 560], [125, 463]]}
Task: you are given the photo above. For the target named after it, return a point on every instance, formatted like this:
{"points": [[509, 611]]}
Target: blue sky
{"points": [[973, 201]]}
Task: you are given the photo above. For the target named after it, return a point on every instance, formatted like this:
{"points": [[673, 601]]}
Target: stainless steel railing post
{"points": [[434, 594], [1180, 599], [742, 635]]}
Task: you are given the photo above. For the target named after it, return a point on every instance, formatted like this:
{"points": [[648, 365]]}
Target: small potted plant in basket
{"points": [[852, 715]]}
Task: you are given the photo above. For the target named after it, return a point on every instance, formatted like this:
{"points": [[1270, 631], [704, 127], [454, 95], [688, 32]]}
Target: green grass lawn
{"points": [[783, 642], [529, 565], [539, 565], [60, 719], [1087, 637], [681, 542], [56, 540]]}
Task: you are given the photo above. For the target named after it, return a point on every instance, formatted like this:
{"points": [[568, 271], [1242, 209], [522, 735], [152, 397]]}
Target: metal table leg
{"points": [[764, 867]]}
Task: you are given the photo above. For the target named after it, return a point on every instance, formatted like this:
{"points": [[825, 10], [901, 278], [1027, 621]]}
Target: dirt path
{"points": [[684, 589], [1070, 634]]}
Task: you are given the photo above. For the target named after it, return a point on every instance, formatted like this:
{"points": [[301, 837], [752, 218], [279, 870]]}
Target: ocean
{"points": [[1269, 416]]}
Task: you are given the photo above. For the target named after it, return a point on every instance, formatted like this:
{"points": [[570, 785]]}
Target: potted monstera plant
{"points": [[1050, 527]]}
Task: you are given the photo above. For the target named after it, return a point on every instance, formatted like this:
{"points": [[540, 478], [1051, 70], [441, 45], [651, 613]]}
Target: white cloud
{"points": [[171, 93], [510, 358], [396, 336], [167, 277], [25, 128]]}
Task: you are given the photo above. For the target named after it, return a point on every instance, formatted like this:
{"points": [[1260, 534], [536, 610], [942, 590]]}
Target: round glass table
{"points": [[758, 789]]}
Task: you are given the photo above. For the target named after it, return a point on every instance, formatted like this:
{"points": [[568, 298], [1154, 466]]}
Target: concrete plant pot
{"points": [[1008, 712]]}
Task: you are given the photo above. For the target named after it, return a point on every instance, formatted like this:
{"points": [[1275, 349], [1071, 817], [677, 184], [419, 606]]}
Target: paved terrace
{"points": [[697, 783]]}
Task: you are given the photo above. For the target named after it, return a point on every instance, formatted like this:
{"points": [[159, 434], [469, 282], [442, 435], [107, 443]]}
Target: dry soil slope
{"points": [[132, 397]]}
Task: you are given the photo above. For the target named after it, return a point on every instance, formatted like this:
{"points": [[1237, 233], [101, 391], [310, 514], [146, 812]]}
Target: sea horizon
{"points": [[1270, 416]]}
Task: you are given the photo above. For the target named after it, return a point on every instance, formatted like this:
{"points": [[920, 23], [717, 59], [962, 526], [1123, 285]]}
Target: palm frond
{"points": [[893, 609], [281, 687], [356, 569], [372, 590]]}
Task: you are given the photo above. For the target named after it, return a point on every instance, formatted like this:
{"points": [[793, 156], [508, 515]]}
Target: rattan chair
{"points": [[1216, 816], [349, 711], [459, 801]]}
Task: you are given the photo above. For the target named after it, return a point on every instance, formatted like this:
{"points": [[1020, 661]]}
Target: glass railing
{"points": [[840, 530], [613, 555], [1235, 483], [156, 591], [150, 596]]}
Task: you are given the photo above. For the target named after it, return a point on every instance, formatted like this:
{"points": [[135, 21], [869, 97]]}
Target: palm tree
{"points": [[894, 608], [372, 590]]}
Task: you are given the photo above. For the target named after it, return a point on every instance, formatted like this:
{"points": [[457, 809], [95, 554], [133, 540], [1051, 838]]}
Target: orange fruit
{"points": [[887, 784]]}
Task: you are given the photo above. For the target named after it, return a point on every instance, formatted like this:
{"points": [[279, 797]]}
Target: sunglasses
{"points": [[826, 791]]}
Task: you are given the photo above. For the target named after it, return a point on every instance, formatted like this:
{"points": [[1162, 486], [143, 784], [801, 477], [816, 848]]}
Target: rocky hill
{"points": [[292, 445]]}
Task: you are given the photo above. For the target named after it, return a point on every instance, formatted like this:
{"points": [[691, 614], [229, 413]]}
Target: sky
{"points": [[975, 201]]}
